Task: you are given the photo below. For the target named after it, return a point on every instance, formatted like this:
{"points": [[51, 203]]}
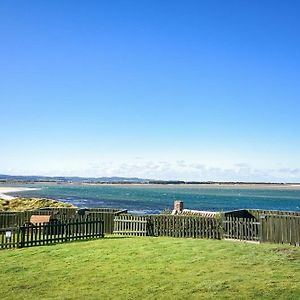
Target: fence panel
{"points": [[9, 219], [261, 212], [63, 215], [241, 229], [130, 225], [15, 219], [168, 225], [281, 229], [9, 237], [106, 217], [42, 234], [184, 226]]}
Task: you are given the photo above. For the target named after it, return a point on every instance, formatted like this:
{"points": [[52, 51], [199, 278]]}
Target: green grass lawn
{"points": [[151, 268]]}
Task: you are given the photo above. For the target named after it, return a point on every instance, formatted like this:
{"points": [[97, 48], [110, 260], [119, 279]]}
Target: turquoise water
{"points": [[144, 199]]}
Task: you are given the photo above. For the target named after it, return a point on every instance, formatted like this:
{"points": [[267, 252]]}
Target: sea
{"points": [[145, 199]]}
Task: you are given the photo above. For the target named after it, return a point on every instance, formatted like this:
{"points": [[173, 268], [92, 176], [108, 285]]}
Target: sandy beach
{"points": [[5, 190]]}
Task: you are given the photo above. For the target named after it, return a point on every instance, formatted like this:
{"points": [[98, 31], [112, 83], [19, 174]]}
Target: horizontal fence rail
{"points": [[42, 234]]}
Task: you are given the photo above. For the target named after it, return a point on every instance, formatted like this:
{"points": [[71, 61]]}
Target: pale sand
{"points": [[5, 190]]}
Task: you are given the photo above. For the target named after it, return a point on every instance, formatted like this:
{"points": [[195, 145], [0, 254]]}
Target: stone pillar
{"points": [[178, 206]]}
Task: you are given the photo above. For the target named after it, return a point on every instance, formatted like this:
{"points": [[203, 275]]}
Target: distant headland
{"points": [[22, 179]]}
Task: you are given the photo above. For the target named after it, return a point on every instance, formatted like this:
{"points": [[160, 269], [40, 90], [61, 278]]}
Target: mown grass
{"points": [[151, 268]]}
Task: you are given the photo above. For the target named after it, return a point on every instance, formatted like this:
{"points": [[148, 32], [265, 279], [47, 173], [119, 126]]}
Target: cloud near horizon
{"points": [[178, 170]]}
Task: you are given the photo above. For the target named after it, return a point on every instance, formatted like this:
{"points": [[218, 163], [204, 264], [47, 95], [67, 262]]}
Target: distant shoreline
{"points": [[199, 186], [153, 198], [285, 186], [4, 189]]}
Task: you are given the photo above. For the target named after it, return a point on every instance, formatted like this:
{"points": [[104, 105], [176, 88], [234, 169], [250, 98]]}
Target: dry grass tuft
{"points": [[21, 204]]}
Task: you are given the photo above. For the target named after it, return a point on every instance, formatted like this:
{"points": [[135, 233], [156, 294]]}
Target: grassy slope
{"points": [[153, 268], [21, 204]]}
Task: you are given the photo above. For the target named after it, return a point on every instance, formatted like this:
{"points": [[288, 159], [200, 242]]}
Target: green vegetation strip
{"points": [[151, 268], [21, 204]]}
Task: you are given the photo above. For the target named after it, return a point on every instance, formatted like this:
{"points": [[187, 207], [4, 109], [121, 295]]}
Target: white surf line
{"points": [[5, 190]]}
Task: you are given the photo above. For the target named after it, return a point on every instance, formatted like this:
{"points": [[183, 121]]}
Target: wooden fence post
{"points": [[221, 225], [262, 227], [22, 237]]}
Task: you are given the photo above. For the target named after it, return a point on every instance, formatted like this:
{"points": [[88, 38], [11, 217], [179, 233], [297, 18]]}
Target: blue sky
{"points": [[195, 90]]}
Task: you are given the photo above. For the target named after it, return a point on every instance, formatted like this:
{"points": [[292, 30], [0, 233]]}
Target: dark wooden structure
{"points": [[62, 215]]}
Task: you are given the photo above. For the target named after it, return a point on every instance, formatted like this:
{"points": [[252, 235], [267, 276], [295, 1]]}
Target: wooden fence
{"points": [[106, 217], [185, 226], [241, 229], [63, 215], [271, 228], [15, 219], [167, 225], [282, 229], [131, 225], [44, 234], [261, 212], [274, 226], [9, 237]]}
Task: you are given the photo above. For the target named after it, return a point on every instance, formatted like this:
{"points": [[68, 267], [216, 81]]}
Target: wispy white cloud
{"points": [[166, 170]]}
